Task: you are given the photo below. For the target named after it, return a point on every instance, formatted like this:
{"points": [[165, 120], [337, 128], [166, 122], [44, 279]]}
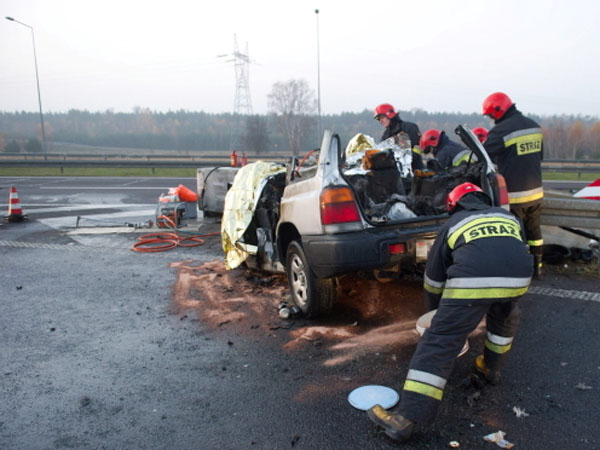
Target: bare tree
{"points": [[555, 139], [576, 137], [293, 102], [594, 136]]}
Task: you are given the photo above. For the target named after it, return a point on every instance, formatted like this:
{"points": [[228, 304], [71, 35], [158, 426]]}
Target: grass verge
{"points": [[570, 176]]}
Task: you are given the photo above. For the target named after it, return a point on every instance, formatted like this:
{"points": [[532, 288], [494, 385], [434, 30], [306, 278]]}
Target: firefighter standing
{"points": [[446, 152], [478, 266], [394, 127], [515, 145]]}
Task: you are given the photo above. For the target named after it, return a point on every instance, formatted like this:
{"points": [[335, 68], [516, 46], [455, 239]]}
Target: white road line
{"points": [[565, 293], [69, 221]]}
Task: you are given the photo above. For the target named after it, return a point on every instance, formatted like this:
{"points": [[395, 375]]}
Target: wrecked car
{"points": [[337, 211]]}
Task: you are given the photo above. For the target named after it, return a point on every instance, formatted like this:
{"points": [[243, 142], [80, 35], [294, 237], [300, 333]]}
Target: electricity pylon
{"points": [[242, 104], [241, 62]]}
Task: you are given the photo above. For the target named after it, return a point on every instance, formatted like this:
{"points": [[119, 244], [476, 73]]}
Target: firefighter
{"points": [[446, 152], [396, 127], [481, 133], [515, 145], [478, 266]]}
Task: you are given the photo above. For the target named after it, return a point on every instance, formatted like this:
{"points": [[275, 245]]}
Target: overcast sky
{"points": [[435, 55]]}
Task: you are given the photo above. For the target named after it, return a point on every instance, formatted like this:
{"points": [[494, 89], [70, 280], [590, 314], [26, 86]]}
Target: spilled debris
{"points": [[519, 412], [498, 439], [369, 317]]}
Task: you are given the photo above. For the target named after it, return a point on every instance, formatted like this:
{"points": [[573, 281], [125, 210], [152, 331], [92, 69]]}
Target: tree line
{"points": [[290, 126]]}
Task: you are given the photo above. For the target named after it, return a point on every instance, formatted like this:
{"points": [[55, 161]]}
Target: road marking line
{"points": [[89, 248], [47, 207], [565, 293]]}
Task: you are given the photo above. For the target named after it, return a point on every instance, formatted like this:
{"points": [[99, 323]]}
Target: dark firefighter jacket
{"points": [[478, 256], [449, 153], [515, 144], [398, 126]]}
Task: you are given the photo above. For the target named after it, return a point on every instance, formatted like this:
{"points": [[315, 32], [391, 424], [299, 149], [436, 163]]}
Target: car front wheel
{"points": [[312, 295]]}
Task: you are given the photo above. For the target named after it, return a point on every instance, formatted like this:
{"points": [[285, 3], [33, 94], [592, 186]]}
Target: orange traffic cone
{"points": [[15, 213]]}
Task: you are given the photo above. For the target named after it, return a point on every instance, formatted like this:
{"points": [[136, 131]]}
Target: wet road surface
{"points": [[103, 347]]}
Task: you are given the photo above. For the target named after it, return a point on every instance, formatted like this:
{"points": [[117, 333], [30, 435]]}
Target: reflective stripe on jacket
{"points": [[479, 255], [516, 146], [446, 151]]}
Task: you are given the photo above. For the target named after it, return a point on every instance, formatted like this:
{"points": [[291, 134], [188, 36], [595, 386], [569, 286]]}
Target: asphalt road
{"points": [[103, 347]]}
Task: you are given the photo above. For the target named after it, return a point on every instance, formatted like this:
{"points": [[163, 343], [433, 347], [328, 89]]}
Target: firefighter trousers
{"points": [[440, 345], [530, 215]]}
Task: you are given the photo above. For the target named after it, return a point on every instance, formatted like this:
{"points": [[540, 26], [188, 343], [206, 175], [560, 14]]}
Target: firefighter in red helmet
{"points": [[478, 266], [396, 128], [515, 145], [481, 133], [446, 152]]}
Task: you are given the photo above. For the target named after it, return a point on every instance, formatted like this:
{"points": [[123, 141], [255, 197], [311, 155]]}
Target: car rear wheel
{"points": [[312, 295]]}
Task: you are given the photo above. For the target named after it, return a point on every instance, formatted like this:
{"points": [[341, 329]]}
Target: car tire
{"points": [[314, 296]]}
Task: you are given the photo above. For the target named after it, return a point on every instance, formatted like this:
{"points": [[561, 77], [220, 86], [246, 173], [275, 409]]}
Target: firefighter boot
{"points": [[537, 266], [491, 376], [395, 426]]}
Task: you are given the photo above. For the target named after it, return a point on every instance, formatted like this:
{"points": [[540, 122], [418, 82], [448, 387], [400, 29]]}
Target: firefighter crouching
{"points": [[478, 266], [515, 145], [446, 152]]}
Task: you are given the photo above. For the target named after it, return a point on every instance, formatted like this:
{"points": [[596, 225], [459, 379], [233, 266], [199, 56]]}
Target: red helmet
{"points": [[431, 138], [481, 133], [385, 109], [459, 192], [496, 104]]}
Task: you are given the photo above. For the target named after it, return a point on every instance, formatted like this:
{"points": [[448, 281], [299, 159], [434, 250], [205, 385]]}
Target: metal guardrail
{"points": [[189, 159], [571, 212], [571, 166], [118, 161]]}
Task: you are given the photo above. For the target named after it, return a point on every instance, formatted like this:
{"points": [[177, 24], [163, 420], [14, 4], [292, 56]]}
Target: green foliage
{"points": [[571, 176]]}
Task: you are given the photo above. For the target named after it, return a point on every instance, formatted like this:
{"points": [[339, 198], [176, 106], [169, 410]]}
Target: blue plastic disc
{"points": [[366, 397]]}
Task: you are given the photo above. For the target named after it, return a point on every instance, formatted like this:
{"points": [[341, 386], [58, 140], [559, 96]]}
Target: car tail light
{"points": [[502, 190], [397, 249], [338, 206]]}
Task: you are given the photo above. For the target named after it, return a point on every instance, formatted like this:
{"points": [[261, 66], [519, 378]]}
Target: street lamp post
{"points": [[318, 80], [37, 79]]}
